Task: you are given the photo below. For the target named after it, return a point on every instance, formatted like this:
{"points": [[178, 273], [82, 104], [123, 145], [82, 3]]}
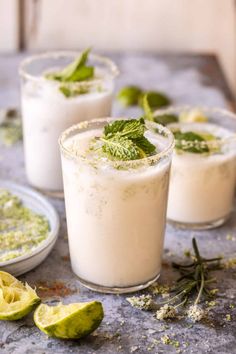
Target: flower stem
{"points": [[201, 287]]}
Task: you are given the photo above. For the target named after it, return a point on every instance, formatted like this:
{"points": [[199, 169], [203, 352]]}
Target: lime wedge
{"points": [[69, 321], [16, 299], [193, 115]]}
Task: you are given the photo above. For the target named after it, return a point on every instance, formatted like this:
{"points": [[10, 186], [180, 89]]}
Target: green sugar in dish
{"points": [[21, 229]]}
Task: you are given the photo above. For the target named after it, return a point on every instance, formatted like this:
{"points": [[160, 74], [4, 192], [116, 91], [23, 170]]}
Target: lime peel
{"points": [[16, 299], [71, 321]]}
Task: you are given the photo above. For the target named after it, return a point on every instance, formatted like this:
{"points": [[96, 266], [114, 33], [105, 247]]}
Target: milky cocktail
{"points": [[58, 90], [116, 209], [203, 177]]}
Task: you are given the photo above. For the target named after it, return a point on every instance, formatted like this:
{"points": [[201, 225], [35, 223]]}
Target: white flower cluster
{"points": [[196, 313], [143, 302], [166, 311]]}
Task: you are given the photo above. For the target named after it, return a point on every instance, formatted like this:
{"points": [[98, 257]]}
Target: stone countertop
{"points": [[187, 79]]}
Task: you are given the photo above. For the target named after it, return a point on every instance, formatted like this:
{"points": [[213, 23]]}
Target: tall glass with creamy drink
{"points": [[116, 209], [58, 90], [203, 175]]}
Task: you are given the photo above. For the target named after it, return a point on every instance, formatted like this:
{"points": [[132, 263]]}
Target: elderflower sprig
{"points": [[194, 279], [193, 284], [142, 302]]}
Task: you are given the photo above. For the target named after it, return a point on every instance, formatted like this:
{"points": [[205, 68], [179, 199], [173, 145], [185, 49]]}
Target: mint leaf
{"points": [[71, 92], [182, 140], [129, 95], [66, 91], [147, 109], [81, 74], [155, 99], [121, 148], [165, 119], [75, 71], [133, 128], [114, 127], [145, 145], [125, 140]]}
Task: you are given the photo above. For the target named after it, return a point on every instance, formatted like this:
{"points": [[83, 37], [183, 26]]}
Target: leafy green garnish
{"points": [[121, 148], [155, 99], [71, 92], [144, 144], [162, 119], [147, 109], [165, 119], [134, 95], [129, 95], [75, 72], [125, 140], [190, 142], [132, 128]]}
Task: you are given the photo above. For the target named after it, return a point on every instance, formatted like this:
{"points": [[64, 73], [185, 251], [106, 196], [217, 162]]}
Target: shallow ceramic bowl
{"points": [[40, 205]]}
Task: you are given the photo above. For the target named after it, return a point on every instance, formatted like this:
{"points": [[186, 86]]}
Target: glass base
{"points": [[50, 193], [117, 290], [199, 226]]}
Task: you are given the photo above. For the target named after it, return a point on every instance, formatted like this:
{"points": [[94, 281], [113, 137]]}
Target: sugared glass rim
{"points": [[147, 161], [188, 107], [214, 143], [113, 69]]}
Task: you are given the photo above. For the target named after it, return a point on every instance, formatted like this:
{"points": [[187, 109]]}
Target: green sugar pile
{"points": [[21, 229]]}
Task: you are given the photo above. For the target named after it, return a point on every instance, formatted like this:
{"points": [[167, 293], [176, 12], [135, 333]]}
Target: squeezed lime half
{"points": [[16, 299], [71, 321]]}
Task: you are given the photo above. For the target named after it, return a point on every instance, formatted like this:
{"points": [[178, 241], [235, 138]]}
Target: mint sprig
{"points": [[132, 95], [147, 109], [129, 95], [124, 140], [163, 119], [194, 142], [132, 128], [121, 148], [76, 71], [155, 99]]}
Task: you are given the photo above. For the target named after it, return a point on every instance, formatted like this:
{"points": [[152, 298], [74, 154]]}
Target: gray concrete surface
{"points": [[125, 329]]}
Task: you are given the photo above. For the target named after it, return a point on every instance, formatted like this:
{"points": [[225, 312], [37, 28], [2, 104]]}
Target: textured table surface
{"points": [[187, 79]]}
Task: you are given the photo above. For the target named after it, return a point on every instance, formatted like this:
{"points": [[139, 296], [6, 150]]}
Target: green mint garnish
{"points": [[129, 95], [71, 92], [194, 142], [124, 140], [75, 72], [165, 119], [145, 146], [162, 119], [155, 99], [121, 148], [132, 128], [147, 109], [134, 95]]}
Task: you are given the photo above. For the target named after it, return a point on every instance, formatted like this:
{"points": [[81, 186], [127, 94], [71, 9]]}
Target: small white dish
{"points": [[42, 206]]}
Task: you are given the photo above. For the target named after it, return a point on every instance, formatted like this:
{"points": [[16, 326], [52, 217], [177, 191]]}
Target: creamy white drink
{"points": [[50, 106], [202, 183], [116, 210]]}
